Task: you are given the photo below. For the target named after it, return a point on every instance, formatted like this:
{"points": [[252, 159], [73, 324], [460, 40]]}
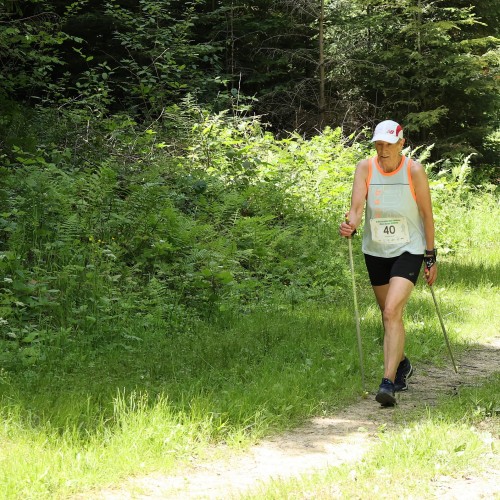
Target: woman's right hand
{"points": [[346, 230]]}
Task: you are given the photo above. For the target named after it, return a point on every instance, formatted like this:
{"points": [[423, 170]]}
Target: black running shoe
{"points": [[404, 372], [385, 395]]}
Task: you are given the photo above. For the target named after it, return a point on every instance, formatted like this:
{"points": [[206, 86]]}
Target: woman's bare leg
{"points": [[392, 299]]}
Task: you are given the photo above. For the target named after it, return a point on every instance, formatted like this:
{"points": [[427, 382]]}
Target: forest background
{"points": [[172, 177]]}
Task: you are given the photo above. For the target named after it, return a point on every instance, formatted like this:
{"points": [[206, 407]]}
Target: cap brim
{"points": [[386, 138]]}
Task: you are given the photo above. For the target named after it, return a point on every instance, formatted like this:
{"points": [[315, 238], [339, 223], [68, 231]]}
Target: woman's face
{"points": [[387, 151]]}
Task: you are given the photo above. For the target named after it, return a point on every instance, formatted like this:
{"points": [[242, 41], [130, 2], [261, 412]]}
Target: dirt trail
{"points": [[324, 442]]}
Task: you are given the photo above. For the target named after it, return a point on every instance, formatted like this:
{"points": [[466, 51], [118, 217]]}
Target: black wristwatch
{"points": [[430, 258]]}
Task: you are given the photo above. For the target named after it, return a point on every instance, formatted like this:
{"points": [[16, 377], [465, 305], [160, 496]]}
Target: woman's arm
{"points": [[358, 199], [424, 203]]}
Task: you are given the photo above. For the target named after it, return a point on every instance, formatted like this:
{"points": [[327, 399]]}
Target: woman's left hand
{"points": [[431, 274]]}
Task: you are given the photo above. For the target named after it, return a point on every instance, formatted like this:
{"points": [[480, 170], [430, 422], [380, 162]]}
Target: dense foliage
{"points": [[139, 188], [151, 234], [154, 238], [414, 62]]}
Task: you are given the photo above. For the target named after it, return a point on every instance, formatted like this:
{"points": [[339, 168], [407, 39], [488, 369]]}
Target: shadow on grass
{"points": [[463, 272]]}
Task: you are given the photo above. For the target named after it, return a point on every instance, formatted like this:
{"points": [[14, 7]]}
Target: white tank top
{"points": [[393, 224]]}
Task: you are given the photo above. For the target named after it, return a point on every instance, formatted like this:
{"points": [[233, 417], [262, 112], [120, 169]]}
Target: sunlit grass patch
{"points": [[459, 437], [38, 459]]}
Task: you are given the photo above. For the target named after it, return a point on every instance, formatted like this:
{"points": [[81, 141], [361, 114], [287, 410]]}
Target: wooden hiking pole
{"points": [[441, 320], [356, 314]]}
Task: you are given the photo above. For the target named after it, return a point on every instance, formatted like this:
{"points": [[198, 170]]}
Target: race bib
{"points": [[390, 230]]}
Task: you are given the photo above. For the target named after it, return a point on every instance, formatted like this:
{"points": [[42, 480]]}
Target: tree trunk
{"points": [[322, 104]]}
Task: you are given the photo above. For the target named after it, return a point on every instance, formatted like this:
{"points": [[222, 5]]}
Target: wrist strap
{"points": [[430, 257]]}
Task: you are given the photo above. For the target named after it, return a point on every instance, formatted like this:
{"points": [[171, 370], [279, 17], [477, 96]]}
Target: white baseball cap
{"points": [[388, 131]]}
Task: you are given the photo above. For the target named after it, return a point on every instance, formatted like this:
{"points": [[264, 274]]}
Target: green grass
{"points": [[452, 440], [468, 299], [42, 460], [87, 416]]}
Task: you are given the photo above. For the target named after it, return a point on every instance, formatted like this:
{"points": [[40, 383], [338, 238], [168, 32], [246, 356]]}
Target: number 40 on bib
{"points": [[390, 230]]}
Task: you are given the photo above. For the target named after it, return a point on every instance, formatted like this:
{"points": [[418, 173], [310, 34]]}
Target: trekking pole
{"points": [[356, 314], [442, 327]]}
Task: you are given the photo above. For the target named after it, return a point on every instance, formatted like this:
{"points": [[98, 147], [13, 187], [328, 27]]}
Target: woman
{"points": [[398, 235]]}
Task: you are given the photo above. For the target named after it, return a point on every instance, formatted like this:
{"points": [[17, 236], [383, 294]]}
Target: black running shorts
{"points": [[381, 269]]}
